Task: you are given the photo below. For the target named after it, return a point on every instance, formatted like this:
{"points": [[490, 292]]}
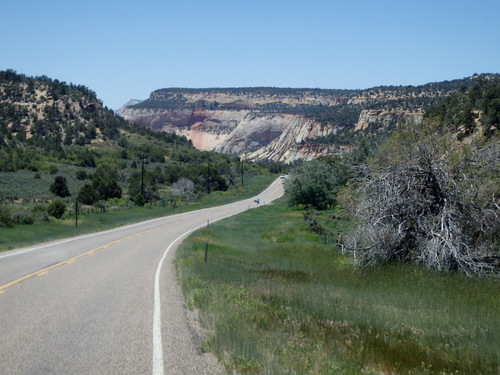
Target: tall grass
{"points": [[279, 301]]}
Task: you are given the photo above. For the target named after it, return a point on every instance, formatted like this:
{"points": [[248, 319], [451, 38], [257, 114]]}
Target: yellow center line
{"points": [[71, 260]]}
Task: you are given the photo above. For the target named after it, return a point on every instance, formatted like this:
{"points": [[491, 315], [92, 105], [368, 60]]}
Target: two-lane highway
{"points": [[105, 303]]}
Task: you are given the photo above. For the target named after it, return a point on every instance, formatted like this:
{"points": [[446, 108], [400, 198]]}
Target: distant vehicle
{"points": [[282, 176]]}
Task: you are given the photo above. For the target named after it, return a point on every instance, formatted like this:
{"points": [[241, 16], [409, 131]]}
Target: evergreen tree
{"points": [[88, 195], [60, 187]]}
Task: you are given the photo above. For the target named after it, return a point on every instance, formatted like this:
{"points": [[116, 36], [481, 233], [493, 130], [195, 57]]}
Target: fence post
{"points": [[206, 251]]}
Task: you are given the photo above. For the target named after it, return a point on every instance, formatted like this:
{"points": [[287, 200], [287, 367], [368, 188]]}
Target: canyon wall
{"points": [[255, 136], [280, 124]]}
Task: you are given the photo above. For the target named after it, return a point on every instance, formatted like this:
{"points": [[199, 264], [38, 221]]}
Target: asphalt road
{"points": [[105, 303]]}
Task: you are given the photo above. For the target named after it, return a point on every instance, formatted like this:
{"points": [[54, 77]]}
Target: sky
{"points": [[126, 49]]}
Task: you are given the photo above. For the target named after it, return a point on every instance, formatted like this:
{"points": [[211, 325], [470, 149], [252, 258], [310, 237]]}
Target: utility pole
{"points": [[241, 167], [208, 175], [142, 177]]}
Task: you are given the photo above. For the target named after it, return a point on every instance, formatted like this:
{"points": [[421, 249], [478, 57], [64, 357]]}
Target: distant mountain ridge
{"points": [[285, 124], [130, 103]]}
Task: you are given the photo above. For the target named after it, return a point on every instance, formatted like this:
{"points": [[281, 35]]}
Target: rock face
{"points": [[207, 129], [128, 104], [291, 144], [255, 136], [278, 124], [385, 118]]}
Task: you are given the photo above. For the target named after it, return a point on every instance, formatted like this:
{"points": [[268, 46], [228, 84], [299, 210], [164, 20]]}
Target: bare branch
{"points": [[442, 212]]}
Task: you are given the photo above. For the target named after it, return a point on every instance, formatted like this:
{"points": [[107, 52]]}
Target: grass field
{"points": [[117, 214], [276, 300]]}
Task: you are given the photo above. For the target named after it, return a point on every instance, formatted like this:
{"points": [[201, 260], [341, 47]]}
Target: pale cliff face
{"points": [[244, 130], [290, 145], [256, 136], [384, 117], [275, 124], [261, 136], [207, 129]]}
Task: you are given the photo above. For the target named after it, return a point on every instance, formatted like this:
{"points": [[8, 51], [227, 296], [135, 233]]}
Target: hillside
{"points": [[54, 118], [57, 139], [285, 124]]}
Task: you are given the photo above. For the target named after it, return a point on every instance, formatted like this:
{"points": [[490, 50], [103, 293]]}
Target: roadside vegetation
{"points": [[276, 299], [25, 225], [382, 261], [430, 195]]}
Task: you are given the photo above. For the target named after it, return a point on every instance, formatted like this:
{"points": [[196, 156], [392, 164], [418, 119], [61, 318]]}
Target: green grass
{"points": [[116, 215], [279, 301]]}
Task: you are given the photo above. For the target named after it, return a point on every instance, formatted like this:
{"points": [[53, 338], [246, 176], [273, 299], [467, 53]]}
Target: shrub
{"points": [[87, 195], [26, 219], [430, 201], [316, 183], [60, 187], [139, 200], [145, 186], [53, 169], [106, 187], [5, 217], [57, 208], [81, 175], [183, 186], [39, 208]]}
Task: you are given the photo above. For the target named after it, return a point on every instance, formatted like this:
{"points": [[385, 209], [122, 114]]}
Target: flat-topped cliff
{"points": [[279, 123]]}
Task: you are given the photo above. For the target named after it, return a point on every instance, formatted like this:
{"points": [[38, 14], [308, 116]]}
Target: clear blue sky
{"points": [[126, 49]]}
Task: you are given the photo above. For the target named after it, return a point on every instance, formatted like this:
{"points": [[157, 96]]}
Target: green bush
{"points": [[81, 175], [106, 187], [39, 209], [316, 183], [57, 208], [88, 195], [139, 200], [27, 219], [53, 169], [60, 187], [5, 217]]}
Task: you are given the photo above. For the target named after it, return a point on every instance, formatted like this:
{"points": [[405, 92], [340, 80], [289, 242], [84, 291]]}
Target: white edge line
{"points": [[157, 339]]}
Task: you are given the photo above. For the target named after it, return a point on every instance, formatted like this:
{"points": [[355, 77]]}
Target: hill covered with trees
{"points": [[45, 117], [57, 140]]}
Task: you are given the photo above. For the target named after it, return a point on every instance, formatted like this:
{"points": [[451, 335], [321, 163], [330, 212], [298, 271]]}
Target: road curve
{"points": [[105, 303]]}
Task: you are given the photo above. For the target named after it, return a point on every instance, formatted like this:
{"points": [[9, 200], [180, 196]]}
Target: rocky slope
{"points": [[131, 102], [278, 124], [385, 117]]}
